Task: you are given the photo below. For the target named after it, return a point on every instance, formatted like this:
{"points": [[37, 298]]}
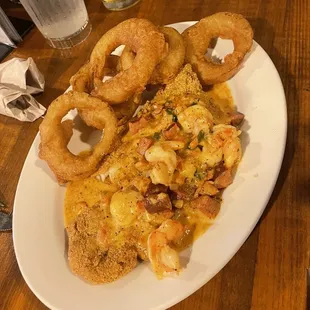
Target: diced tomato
{"points": [[134, 127], [144, 144], [172, 133]]}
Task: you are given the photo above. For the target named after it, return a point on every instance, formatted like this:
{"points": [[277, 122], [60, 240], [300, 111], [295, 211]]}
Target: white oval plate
{"points": [[38, 229]]}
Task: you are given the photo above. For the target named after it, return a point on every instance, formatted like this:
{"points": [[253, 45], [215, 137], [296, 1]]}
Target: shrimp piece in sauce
{"points": [[223, 143], [164, 259]]}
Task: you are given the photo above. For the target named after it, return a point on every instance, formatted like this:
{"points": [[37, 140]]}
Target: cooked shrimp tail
{"points": [[164, 259]]}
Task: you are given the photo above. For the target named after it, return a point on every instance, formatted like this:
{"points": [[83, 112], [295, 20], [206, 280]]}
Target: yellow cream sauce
{"points": [[195, 224], [86, 193], [81, 194], [219, 101]]}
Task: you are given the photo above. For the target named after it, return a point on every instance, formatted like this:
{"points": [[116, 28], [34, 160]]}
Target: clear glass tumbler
{"points": [[64, 23], [118, 5]]}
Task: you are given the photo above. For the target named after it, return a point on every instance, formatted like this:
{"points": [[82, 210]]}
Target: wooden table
{"points": [[269, 271]]}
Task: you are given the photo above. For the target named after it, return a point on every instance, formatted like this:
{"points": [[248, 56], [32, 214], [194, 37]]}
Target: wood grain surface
{"points": [[269, 271]]}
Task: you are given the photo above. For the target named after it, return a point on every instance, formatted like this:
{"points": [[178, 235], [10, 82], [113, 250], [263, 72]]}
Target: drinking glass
{"points": [[64, 23], [118, 5]]}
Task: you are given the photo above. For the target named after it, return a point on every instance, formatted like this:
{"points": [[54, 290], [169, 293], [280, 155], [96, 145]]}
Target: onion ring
{"points": [[169, 67], [198, 37], [67, 127], [126, 110], [81, 81], [142, 37], [123, 112], [55, 136]]}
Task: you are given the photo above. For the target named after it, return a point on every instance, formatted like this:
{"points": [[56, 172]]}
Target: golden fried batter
{"points": [[185, 83], [92, 258]]}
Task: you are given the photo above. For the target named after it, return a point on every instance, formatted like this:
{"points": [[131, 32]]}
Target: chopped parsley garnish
{"points": [[156, 135], [199, 175], [201, 136], [170, 111], [174, 116]]}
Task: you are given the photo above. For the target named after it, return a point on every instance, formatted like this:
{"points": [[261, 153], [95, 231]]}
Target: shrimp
{"points": [[232, 152], [164, 259], [222, 144], [196, 118], [162, 153], [231, 145], [165, 160]]}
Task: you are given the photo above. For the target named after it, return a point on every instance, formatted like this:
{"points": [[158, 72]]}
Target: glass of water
{"points": [[118, 5], [64, 23]]}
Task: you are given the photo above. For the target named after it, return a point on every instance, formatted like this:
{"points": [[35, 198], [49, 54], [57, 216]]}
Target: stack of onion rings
{"points": [[56, 135], [81, 81], [142, 37], [198, 37], [170, 65], [123, 111], [152, 56]]}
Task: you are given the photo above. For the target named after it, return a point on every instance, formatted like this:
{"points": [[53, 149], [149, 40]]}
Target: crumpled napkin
{"points": [[19, 79]]}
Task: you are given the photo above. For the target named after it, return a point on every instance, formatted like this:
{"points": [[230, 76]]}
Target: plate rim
{"points": [[198, 284]]}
